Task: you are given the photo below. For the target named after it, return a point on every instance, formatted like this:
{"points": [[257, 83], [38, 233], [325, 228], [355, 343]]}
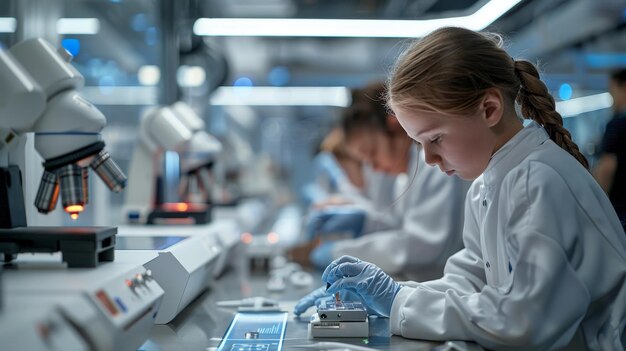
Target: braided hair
{"points": [[451, 69], [537, 104]]}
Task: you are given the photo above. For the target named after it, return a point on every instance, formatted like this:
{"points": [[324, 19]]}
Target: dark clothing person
{"points": [[614, 142]]}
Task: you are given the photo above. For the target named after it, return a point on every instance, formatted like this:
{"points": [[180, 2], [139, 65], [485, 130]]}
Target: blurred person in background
{"points": [[336, 172], [422, 227], [610, 170]]}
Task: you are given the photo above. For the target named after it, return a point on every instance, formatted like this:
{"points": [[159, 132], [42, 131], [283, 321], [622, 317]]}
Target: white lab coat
{"points": [[376, 199], [544, 264], [429, 211], [331, 179]]}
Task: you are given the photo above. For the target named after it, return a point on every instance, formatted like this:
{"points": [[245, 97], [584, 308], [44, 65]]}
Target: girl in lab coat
{"points": [[414, 237], [544, 264], [423, 226]]}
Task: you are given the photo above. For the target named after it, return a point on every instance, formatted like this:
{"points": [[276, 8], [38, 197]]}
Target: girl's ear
{"points": [[492, 107], [393, 125]]}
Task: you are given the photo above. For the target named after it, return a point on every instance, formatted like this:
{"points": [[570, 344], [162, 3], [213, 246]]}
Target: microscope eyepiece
{"points": [[48, 192], [109, 171]]}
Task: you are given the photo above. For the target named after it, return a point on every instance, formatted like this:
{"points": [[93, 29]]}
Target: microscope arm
{"points": [[39, 92], [175, 128]]}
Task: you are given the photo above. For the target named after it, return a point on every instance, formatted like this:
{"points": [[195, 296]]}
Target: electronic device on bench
{"points": [[339, 319]]}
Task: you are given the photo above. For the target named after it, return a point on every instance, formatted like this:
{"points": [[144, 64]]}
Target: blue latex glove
{"points": [[335, 220], [374, 287], [322, 255], [316, 297]]}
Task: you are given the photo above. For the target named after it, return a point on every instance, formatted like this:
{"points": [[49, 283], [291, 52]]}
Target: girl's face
{"points": [[458, 145], [383, 151]]}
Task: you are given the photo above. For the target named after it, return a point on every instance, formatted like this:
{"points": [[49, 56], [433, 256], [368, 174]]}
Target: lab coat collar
{"points": [[514, 151]]}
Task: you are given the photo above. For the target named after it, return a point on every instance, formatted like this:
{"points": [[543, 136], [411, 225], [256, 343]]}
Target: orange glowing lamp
{"points": [[74, 210], [176, 206], [181, 206], [272, 237], [246, 238]]}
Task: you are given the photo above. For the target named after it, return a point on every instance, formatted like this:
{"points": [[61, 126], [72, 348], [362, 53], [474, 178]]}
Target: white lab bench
{"points": [[202, 324]]}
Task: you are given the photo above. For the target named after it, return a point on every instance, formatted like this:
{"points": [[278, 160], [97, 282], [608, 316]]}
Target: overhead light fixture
{"points": [[281, 96], [78, 26], [190, 76], [577, 106], [122, 95], [300, 27], [149, 75], [7, 24]]}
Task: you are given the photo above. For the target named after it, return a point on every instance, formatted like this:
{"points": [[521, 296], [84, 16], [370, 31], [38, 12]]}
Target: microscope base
{"points": [[80, 246]]}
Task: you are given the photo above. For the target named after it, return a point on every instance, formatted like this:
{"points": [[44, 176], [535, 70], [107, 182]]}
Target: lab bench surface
{"points": [[202, 324]]}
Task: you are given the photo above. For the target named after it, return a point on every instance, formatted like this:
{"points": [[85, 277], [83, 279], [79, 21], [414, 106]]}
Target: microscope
{"points": [[169, 178], [39, 95]]}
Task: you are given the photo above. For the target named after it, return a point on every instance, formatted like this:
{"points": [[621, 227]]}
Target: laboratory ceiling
{"points": [[564, 33], [561, 32]]}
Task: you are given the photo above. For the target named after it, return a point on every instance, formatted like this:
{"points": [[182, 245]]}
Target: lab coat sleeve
{"points": [[431, 230], [464, 270], [379, 217], [543, 301], [380, 190]]}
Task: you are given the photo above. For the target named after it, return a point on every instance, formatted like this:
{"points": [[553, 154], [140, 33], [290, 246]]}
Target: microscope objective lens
{"points": [[109, 171], [72, 192], [48, 192]]}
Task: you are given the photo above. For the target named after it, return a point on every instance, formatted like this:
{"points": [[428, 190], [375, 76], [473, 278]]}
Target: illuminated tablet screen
{"points": [[255, 331], [146, 242]]}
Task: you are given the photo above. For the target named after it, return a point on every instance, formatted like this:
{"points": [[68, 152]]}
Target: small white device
{"points": [[339, 319], [184, 262], [113, 307]]}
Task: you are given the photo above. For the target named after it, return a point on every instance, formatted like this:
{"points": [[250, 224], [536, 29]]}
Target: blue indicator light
{"points": [[71, 45], [243, 82], [120, 304], [279, 76], [152, 36], [139, 22], [565, 91]]}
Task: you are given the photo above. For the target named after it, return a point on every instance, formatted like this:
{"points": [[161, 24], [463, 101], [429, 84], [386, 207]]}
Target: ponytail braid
{"points": [[537, 104]]}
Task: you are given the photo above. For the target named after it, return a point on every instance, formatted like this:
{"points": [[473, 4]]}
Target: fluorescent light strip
{"points": [[288, 27], [121, 95], [7, 24], [78, 26], [577, 106], [281, 96]]}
